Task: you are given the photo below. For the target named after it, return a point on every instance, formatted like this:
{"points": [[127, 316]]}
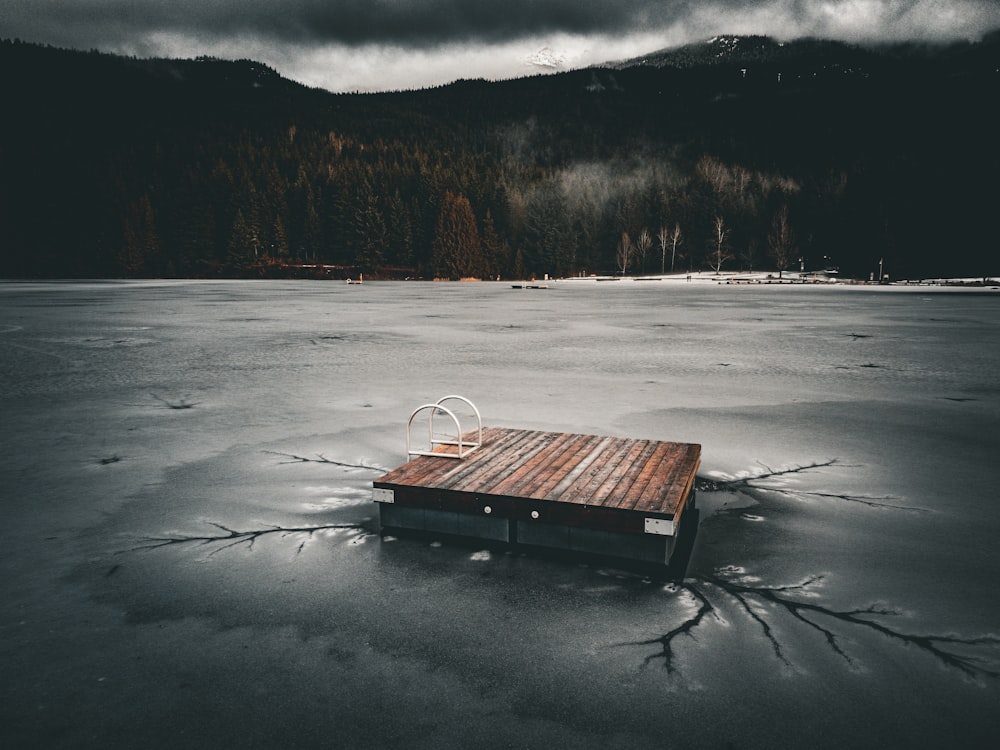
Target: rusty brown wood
{"points": [[649, 471], [621, 493], [679, 482], [490, 475], [559, 461], [511, 484], [494, 441], [439, 468], [583, 452], [561, 490], [660, 489], [584, 489], [605, 494], [605, 474]]}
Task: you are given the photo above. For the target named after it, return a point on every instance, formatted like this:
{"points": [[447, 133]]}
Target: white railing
{"points": [[464, 447]]}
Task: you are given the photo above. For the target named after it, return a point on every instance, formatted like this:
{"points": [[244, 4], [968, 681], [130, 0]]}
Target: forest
{"points": [[752, 155]]}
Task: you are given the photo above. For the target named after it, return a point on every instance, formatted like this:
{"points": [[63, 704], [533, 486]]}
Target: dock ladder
{"points": [[463, 447]]}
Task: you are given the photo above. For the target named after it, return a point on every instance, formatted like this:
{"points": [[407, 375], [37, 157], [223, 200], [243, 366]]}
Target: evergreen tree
{"points": [[458, 252], [140, 242], [372, 234], [400, 231], [495, 250], [242, 248]]}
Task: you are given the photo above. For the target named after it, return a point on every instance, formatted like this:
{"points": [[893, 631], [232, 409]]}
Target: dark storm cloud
{"points": [[428, 23], [371, 44], [433, 21], [351, 22]]}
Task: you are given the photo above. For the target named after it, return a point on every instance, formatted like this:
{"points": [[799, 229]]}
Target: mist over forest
{"points": [[735, 154]]}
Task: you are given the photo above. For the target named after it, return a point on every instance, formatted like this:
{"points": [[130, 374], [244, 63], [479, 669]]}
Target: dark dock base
{"points": [[610, 497], [592, 543], [674, 570]]}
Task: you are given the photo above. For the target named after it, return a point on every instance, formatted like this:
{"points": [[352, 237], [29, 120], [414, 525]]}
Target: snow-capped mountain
{"points": [[548, 59], [725, 48]]}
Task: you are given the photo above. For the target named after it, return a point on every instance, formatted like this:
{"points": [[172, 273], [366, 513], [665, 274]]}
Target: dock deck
{"points": [[610, 496]]}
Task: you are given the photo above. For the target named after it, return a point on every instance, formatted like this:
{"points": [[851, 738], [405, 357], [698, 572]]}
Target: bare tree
{"points": [[664, 238], [749, 256], [676, 239], [781, 240], [669, 238], [642, 245], [721, 241], [715, 171], [624, 254]]}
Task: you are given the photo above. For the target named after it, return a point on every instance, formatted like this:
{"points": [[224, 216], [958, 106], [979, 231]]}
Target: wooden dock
{"points": [[610, 496]]}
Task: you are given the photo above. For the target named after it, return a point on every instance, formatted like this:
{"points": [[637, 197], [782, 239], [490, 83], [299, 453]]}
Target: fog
{"points": [[191, 556]]}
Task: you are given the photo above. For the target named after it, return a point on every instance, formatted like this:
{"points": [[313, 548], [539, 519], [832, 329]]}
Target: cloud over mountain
{"points": [[319, 40]]}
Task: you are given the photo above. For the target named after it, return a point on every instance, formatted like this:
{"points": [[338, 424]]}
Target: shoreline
{"points": [[698, 278], [794, 278]]}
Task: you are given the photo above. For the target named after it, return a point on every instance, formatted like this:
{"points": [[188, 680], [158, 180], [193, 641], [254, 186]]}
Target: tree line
{"points": [[112, 167]]}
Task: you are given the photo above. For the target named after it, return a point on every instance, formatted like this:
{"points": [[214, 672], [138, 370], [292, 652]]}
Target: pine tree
{"points": [[243, 245], [140, 242], [495, 251], [373, 235], [458, 252]]}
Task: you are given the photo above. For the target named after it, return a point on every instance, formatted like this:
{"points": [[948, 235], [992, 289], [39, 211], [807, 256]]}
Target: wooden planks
{"points": [[593, 471]]}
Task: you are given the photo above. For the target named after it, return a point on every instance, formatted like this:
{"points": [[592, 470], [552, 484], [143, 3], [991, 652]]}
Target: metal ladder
{"points": [[464, 447]]}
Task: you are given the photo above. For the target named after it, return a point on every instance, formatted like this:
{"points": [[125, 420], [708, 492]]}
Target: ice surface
{"points": [[190, 555]]}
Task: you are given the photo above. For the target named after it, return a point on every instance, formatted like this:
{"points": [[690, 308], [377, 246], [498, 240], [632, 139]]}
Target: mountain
{"points": [[814, 55], [730, 50], [895, 65], [547, 59], [52, 79], [121, 166]]}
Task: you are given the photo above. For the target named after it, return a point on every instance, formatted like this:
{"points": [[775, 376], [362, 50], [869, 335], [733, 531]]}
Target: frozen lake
{"points": [[171, 448]]}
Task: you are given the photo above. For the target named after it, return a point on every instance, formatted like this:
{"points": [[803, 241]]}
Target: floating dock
{"points": [[609, 496]]}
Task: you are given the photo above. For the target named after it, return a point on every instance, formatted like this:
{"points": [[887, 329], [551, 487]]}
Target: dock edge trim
{"points": [[382, 495], [660, 526]]}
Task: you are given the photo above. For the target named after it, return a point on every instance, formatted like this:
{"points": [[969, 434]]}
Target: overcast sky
{"points": [[351, 45]]}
